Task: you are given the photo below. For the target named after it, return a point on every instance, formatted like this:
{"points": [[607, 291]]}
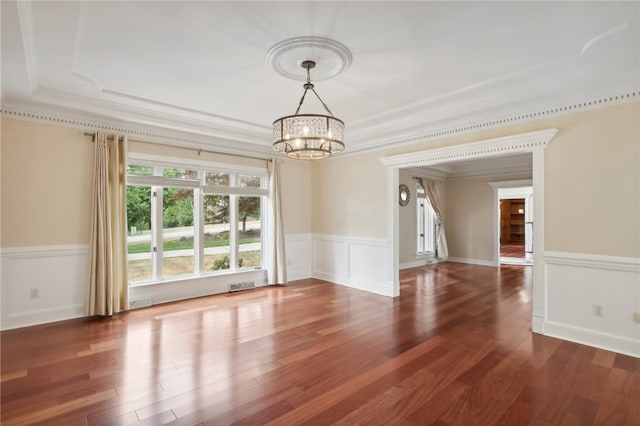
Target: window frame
{"points": [[425, 221], [200, 189]]}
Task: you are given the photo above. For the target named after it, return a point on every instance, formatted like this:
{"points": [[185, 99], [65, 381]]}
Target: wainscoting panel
{"points": [[577, 285], [57, 275], [368, 266], [329, 258], [354, 262], [298, 251]]}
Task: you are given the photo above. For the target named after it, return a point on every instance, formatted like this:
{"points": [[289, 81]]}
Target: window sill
{"points": [[183, 278]]}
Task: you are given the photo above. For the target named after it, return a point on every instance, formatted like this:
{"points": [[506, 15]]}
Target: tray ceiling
{"points": [[418, 67]]}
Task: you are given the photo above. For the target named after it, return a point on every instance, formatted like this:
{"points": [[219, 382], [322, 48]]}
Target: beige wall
{"points": [[295, 178], [350, 196], [46, 184], [592, 183], [469, 219], [191, 154]]}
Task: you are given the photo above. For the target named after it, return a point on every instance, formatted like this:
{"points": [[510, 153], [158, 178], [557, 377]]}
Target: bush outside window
{"points": [[186, 222]]}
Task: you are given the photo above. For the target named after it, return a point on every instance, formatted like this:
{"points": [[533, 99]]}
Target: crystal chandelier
{"points": [[308, 136]]}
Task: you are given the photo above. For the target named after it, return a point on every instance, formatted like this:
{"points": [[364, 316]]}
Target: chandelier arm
{"points": [[301, 101], [321, 101]]}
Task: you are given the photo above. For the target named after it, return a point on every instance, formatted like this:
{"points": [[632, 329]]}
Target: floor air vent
{"points": [[141, 302], [242, 286]]}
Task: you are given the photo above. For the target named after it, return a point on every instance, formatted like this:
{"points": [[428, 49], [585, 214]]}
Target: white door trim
{"points": [[533, 142]]}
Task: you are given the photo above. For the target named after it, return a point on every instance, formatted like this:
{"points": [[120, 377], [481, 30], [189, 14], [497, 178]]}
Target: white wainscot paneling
{"points": [[298, 251], [368, 266], [59, 275], [574, 283], [329, 258], [355, 262]]}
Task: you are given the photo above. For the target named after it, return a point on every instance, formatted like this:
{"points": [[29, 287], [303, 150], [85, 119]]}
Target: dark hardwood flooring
{"points": [[512, 250], [455, 348]]}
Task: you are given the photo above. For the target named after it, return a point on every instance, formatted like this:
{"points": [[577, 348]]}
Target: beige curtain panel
{"points": [[276, 258], [108, 289], [432, 190]]}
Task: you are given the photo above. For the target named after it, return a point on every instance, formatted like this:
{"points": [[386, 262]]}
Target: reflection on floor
{"points": [[512, 250], [514, 254]]}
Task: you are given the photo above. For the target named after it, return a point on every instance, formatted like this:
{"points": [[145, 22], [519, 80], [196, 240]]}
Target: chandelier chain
{"points": [[301, 101], [308, 86], [322, 102]]}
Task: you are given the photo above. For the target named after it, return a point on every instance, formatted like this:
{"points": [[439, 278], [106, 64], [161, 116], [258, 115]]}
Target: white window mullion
{"points": [[233, 232], [420, 223], [198, 232], [156, 232], [233, 225], [263, 227]]}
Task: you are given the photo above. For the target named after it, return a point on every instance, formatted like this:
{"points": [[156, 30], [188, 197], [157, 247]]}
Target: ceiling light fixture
{"points": [[308, 136]]}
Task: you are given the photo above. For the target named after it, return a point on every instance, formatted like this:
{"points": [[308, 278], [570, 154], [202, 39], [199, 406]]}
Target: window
{"points": [[191, 221], [426, 226]]}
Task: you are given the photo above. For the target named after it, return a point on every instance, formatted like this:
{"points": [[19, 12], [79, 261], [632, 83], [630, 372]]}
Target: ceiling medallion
{"points": [[308, 136], [331, 57]]}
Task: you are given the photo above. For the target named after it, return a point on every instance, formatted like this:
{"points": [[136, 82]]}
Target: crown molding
{"points": [[520, 143], [143, 132], [157, 114], [200, 133], [466, 126]]}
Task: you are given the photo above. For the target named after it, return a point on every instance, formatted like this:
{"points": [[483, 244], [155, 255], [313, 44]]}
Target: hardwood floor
{"points": [[455, 348], [512, 250]]}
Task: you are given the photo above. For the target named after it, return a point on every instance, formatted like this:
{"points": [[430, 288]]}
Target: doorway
{"points": [[516, 226]]}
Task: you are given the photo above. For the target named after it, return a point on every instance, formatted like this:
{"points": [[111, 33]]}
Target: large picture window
{"points": [[192, 221]]}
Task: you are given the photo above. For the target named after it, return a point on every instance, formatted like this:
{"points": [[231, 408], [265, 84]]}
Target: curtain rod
{"points": [[199, 150]]}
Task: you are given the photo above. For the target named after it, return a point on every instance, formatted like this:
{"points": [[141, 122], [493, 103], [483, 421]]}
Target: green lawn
{"points": [[139, 270]]}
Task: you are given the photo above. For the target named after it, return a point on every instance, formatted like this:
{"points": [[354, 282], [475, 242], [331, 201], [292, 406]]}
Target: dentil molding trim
{"points": [[522, 142], [139, 132]]}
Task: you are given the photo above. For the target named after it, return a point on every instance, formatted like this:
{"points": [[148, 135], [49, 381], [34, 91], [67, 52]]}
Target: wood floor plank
{"points": [[454, 348]]}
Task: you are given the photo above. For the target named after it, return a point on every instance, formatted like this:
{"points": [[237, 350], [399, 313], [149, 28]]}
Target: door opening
{"points": [[516, 226]]}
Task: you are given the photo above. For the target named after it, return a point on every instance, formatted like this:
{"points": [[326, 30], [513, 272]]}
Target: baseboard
{"points": [[480, 262], [368, 286], [537, 324], [593, 338], [298, 275], [42, 316], [414, 264]]}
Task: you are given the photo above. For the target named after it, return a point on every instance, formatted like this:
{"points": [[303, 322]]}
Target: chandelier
{"points": [[308, 136]]}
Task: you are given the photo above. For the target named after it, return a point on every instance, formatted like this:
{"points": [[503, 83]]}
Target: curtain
{"points": [[432, 190], [108, 289], [276, 259]]}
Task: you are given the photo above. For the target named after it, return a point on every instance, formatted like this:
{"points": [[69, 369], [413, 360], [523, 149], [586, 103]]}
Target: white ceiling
{"points": [[418, 67], [495, 166]]}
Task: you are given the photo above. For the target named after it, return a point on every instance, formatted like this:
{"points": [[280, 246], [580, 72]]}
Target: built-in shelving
{"points": [[512, 221]]}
